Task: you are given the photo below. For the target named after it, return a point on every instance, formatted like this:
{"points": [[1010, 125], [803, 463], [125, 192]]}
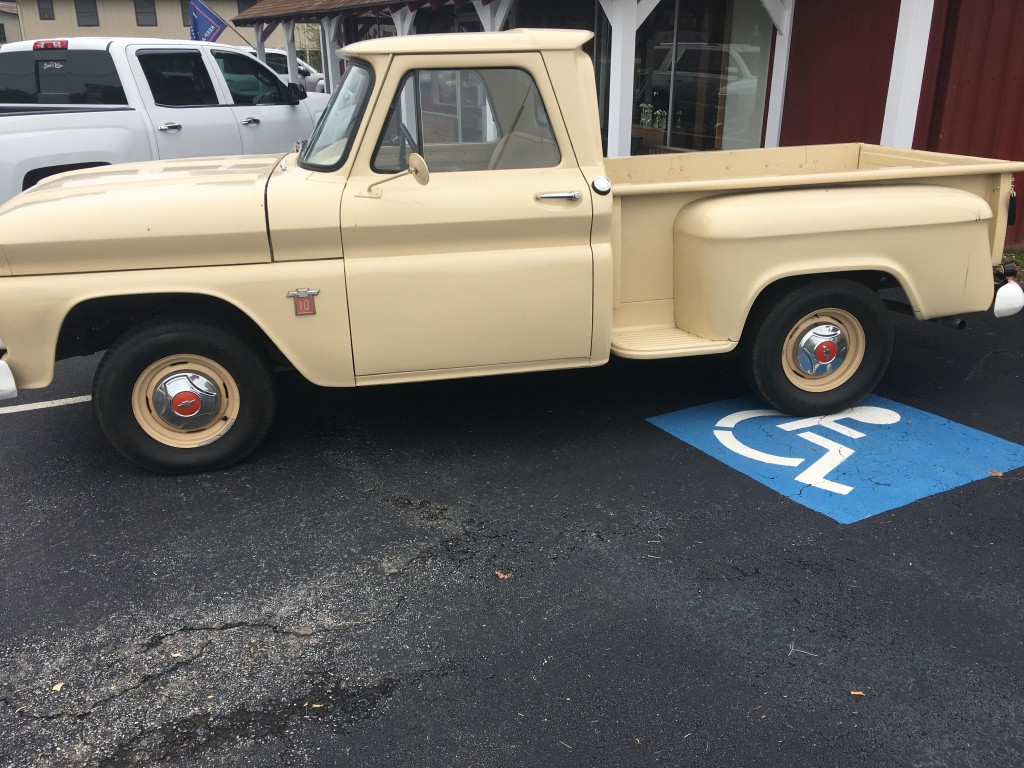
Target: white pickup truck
{"points": [[451, 216], [85, 102]]}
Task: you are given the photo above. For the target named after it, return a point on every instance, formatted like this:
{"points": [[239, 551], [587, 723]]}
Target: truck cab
{"points": [[499, 268]]}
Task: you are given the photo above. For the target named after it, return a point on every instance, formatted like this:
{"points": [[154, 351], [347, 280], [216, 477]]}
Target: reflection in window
{"points": [[702, 76], [467, 120]]}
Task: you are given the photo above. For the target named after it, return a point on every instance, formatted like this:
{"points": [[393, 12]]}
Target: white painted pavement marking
{"points": [[46, 404], [815, 474], [836, 454]]}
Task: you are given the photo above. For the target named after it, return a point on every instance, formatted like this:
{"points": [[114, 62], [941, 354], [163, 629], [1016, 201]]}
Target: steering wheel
{"points": [[407, 135]]}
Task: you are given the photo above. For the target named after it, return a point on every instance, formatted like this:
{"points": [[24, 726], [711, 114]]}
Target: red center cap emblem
{"points": [[185, 404], [826, 352]]}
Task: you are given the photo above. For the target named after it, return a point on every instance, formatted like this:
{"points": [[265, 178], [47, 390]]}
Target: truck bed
{"points": [[787, 166], [650, 191]]}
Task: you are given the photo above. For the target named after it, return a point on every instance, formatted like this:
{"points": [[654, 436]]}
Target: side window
{"points": [[467, 120], [249, 81], [178, 79]]}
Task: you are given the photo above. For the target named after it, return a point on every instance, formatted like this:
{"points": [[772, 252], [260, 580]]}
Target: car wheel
{"points": [[819, 348], [179, 395]]}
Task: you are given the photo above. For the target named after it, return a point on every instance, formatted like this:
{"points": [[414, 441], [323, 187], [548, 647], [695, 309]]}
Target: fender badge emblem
{"points": [[305, 303]]}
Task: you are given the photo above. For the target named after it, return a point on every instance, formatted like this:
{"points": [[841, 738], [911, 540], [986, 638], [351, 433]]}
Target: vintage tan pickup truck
{"points": [[452, 215]]}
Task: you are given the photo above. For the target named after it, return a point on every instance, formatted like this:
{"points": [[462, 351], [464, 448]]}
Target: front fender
{"points": [[33, 309]]}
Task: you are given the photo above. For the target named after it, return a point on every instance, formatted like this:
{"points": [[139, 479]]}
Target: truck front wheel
{"points": [[176, 396], [818, 349]]}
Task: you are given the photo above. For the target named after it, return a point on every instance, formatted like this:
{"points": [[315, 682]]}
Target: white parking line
{"points": [[47, 404]]}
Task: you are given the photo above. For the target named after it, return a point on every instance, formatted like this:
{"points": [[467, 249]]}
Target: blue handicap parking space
{"points": [[869, 459]]}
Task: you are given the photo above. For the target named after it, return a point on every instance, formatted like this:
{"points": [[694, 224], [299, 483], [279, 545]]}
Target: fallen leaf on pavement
{"points": [[503, 575], [58, 686], [994, 473]]}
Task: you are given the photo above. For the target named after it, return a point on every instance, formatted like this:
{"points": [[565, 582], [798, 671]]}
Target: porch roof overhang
{"points": [[312, 11]]}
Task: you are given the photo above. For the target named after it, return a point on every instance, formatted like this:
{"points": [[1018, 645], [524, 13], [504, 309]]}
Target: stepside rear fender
{"points": [[933, 240]]}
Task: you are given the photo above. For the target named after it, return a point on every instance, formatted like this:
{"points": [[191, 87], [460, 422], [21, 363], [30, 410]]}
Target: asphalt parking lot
{"points": [[517, 571]]}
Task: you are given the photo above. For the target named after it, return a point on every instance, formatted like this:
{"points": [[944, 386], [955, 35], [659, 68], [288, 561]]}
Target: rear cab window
{"points": [[60, 76]]}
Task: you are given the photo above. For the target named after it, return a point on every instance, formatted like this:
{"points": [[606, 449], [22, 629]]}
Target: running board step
{"points": [[650, 342]]}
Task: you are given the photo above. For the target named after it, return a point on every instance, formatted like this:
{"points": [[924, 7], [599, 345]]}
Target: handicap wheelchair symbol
{"points": [[836, 453]]}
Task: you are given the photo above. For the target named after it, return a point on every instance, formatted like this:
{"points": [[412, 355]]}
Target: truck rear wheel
{"points": [[177, 396], [818, 349]]}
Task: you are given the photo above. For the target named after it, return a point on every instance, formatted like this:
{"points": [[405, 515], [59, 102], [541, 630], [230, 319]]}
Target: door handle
{"points": [[251, 121], [559, 196], [169, 127]]}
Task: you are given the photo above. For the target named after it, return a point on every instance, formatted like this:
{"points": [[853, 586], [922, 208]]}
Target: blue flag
{"points": [[206, 25]]}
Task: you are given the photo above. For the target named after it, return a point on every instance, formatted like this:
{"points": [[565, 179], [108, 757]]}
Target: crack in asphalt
{"points": [[121, 691], [300, 632], [157, 640], [150, 695]]}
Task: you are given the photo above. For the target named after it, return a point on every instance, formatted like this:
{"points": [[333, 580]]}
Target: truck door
{"points": [[488, 266], [188, 119], [262, 107]]}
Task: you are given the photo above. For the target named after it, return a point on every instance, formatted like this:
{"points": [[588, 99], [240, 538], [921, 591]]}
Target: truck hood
{"points": [[182, 213]]}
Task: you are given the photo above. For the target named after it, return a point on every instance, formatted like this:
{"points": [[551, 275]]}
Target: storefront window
{"points": [[574, 14], [701, 75]]}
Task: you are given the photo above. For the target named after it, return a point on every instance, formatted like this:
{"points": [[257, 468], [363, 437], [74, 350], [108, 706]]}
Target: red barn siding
{"points": [[973, 95], [839, 65]]}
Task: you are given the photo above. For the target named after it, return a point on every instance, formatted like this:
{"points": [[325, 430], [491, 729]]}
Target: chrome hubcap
{"points": [[186, 400], [821, 350]]}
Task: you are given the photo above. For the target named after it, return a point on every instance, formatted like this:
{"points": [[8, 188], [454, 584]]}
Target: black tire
{"points": [[142, 367], [801, 382]]}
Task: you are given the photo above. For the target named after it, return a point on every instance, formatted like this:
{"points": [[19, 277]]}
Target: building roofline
{"points": [[276, 11]]}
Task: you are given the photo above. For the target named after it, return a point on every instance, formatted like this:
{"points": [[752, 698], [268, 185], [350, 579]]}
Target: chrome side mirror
{"points": [[417, 169]]}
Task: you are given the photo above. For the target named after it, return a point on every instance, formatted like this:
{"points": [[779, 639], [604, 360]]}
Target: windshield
{"points": [[332, 136]]}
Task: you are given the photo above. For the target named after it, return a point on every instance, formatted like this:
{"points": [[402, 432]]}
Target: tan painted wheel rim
{"points": [[851, 330], [213, 426]]}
